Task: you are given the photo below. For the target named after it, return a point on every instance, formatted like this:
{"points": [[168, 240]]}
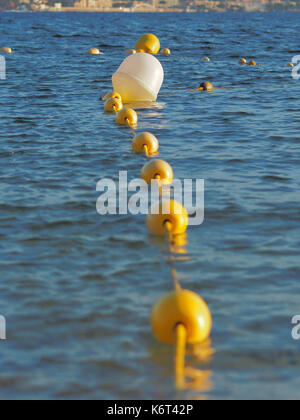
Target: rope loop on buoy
{"points": [[180, 352]]}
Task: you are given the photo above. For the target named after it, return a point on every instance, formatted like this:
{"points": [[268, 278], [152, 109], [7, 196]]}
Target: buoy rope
{"points": [[180, 350], [131, 129], [169, 236], [146, 150], [180, 330]]}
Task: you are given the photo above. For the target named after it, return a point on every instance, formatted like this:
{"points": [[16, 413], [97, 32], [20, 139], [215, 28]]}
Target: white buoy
{"points": [[139, 78]]}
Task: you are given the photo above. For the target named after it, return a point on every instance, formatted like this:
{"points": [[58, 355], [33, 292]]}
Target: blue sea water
{"points": [[77, 289]]}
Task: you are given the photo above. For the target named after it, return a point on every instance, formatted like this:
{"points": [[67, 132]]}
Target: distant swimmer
{"points": [[204, 87]]}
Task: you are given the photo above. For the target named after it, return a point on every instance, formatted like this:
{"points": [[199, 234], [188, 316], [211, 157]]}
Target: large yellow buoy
{"points": [[149, 43], [243, 61], [166, 52], [113, 105], [147, 140], [6, 50], [157, 169], [127, 116], [170, 211], [181, 307], [94, 51], [109, 95]]}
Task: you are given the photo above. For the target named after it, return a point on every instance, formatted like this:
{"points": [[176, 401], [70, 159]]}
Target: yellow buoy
{"points": [[252, 63], [127, 116], [290, 65], [206, 59], [113, 105], [147, 140], [206, 86], [243, 61], [131, 51], [166, 52], [171, 212], [149, 43], [6, 50], [109, 95], [181, 307], [157, 169], [95, 51], [140, 51]]}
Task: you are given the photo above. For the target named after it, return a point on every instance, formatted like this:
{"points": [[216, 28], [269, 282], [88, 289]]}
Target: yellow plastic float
{"points": [[148, 43], [95, 51], [252, 63], [157, 170], [113, 105], [206, 59], [243, 61], [181, 307], [6, 50], [127, 116], [166, 52], [145, 142], [109, 95], [171, 212]]}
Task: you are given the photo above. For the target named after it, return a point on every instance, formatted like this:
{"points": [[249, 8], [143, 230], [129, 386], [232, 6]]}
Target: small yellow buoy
{"points": [[149, 43], [127, 116], [95, 51], [147, 140], [6, 50], [252, 63], [243, 61], [168, 211], [206, 59], [181, 307], [113, 105], [109, 95], [166, 52], [206, 86], [159, 170], [131, 51], [290, 65]]}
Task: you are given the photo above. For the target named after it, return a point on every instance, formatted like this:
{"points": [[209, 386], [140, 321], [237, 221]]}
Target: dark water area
{"points": [[76, 288]]}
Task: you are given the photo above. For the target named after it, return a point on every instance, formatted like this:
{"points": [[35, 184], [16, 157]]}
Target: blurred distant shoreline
{"points": [[150, 6], [166, 11]]}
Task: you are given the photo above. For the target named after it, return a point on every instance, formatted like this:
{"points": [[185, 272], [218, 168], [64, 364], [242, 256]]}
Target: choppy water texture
{"points": [[77, 289]]}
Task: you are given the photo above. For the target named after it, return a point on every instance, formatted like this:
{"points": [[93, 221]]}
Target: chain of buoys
{"points": [[180, 317]]}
